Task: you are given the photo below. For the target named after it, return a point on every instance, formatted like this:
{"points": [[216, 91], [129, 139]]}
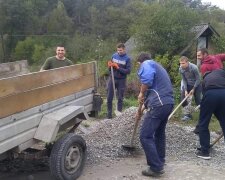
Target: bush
{"points": [[171, 64], [39, 50], [24, 49]]}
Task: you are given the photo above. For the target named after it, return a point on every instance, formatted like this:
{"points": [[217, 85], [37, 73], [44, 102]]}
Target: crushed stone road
{"points": [[108, 161]]}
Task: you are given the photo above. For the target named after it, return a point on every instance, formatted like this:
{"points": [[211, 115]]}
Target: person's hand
{"points": [[186, 93], [141, 98], [192, 92], [110, 63], [115, 65]]}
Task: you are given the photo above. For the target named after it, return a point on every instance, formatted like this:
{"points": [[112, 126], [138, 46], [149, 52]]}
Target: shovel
{"points": [[131, 147], [216, 140], [117, 113], [178, 107]]}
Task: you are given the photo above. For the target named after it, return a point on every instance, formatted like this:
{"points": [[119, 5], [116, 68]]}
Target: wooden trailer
{"points": [[35, 107]]}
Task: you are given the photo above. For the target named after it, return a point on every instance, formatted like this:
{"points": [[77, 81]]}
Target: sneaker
{"points": [[186, 118], [202, 155], [149, 172]]}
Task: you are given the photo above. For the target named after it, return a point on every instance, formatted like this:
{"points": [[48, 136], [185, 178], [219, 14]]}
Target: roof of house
{"points": [[203, 29], [200, 30]]}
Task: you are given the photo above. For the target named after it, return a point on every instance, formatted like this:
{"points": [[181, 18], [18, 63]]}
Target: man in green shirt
{"points": [[57, 61]]}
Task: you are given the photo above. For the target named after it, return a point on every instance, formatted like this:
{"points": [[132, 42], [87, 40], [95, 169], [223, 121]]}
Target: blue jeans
{"points": [[153, 137], [213, 102]]}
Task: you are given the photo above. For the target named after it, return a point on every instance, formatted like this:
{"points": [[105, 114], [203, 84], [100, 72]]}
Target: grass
{"points": [[213, 126], [128, 102]]}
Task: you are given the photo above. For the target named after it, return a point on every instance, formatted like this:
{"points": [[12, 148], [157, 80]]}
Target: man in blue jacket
{"points": [[121, 64], [157, 93]]}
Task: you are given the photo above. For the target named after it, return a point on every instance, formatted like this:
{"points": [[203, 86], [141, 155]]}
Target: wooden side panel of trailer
{"points": [[23, 92]]}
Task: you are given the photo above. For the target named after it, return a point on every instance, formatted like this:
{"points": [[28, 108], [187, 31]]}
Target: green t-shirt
{"points": [[53, 62]]}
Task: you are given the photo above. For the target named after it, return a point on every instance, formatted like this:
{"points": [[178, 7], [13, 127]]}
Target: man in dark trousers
{"points": [[121, 64], [213, 102], [191, 84], [157, 93], [208, 63]]}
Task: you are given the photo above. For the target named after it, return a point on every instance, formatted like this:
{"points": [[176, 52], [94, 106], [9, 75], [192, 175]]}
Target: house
{"points": [[203, 39], [203, 34]]}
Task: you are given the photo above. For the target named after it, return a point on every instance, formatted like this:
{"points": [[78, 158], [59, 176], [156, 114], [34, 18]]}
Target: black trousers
{"points": [[213, 102]]}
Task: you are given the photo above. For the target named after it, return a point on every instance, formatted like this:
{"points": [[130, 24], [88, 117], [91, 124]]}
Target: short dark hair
{"points": [[60, 45], [183, 58], [143, 56], [120, 45], [203, 50]]}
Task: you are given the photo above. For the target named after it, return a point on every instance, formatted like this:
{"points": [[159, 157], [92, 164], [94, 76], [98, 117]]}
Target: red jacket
{"points": [[212, 62]]}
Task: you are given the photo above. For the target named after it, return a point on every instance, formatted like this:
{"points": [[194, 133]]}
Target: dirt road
{"points": [[106, 160], [130, 169]]}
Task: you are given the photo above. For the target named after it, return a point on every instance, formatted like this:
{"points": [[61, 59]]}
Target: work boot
{"points": [[149, 172]]}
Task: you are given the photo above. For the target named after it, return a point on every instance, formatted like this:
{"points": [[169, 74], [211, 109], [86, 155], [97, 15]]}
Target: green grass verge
{"points": [[213, 126], [128, 102]]}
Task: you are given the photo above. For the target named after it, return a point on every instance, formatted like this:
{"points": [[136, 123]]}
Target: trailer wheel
{"points": [[68, 157]]}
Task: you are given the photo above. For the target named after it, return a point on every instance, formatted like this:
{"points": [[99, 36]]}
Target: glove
{"points": [[110, 63], [115, 66]]}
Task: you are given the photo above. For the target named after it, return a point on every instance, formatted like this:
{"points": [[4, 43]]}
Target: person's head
{"points": [[143, 56], [202, 53], [121, 49], [184, 62], [60, 52]]}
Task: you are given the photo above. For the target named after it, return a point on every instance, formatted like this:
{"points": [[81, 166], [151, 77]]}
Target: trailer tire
{"points": [[68, 157]]}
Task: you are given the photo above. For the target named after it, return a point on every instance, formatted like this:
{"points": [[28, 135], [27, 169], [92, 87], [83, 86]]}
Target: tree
{"points": [[110, 23], [24, 50], [165, 29], [58, 21]]}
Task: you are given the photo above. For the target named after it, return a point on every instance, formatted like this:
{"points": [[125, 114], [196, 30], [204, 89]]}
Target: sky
{"points": [[219, 3]]}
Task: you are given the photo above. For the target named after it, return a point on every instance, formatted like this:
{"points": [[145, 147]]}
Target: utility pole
{"points": [[3, 47]]}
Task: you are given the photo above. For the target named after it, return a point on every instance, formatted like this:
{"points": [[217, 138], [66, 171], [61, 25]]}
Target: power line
{"points": [[25, 35]]}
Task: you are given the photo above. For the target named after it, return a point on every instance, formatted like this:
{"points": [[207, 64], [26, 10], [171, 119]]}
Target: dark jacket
{"points": [[124, 63], [214, 80], [160, 90]]}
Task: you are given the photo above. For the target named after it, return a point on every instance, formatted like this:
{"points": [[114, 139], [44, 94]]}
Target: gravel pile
{"points": [[105, 141]]}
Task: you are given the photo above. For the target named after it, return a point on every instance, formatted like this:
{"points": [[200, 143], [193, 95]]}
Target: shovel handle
{"points": [[114, 89], [113, 82], [141, 109], [216, 140], [178, 106]]}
